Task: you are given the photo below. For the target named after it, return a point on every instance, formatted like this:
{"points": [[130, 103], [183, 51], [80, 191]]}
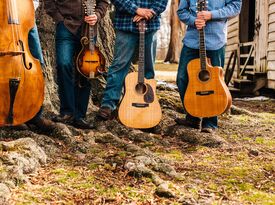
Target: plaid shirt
{"points": [[126, 10]]}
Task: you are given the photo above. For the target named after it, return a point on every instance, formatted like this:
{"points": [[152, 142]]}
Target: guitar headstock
{"points": [[142, 26], [89, 7], [202, 5]]}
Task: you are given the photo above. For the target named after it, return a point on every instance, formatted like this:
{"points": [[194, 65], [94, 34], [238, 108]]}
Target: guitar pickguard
{"points": [[149, 95]]}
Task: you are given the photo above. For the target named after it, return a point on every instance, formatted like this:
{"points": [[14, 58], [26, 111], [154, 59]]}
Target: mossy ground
{"points": [[242, 171]]}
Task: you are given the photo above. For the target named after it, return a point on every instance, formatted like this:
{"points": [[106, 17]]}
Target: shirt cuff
{"points": [[58, 17], [133, 9], [215, 14], [191, 21]]}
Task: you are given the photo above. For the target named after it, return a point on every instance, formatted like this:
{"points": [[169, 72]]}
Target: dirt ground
{"points": [[239, 171]]}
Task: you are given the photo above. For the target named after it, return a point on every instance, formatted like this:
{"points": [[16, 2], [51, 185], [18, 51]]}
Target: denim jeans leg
{"points": [[82, 96], [66, 45], [217, 59], [124, 50], [187, 54], [150, 54], [36, 51]]}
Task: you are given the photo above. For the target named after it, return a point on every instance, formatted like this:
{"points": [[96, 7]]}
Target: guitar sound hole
{"points": [[141, 88], [204, 75]]}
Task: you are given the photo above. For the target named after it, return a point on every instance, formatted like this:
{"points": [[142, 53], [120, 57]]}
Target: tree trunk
{"points": [[46, 27], [177, 33]]}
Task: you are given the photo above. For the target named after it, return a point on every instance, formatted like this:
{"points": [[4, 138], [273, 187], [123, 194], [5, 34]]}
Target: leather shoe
{"points": [[82, 124], [104, 113], [188, 123], [63, 118], [43, 124], [208, 130]]}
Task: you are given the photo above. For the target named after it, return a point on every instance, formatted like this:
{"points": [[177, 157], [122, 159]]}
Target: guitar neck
{"points": [[202, 49], [141, 57]]}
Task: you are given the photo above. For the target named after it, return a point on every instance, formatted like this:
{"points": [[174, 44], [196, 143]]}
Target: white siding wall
{"points": [[232, 39], [271, 45]]}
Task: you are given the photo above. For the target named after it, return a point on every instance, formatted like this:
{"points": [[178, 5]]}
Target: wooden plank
{"points": [[232, 47], [271, 75], [233, 34], [271, 46], [271, 84], [233, 21], [233, 27]]}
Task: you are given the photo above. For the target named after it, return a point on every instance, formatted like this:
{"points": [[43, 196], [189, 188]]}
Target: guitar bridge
{"points": [[204, 93], [140, 105]]}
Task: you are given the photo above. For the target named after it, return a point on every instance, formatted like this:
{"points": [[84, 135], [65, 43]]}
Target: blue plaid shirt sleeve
{"points": [[231, 9], [125, 6], [185, 14], [159, 6]]}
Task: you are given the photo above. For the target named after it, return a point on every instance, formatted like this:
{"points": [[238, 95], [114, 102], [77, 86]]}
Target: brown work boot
{"points": [[63, 119], [104, 113], [209, 130], [188, 123], [43, 124]]}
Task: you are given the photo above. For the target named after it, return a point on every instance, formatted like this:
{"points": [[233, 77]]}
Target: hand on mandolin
{"points": [[91, 20]]}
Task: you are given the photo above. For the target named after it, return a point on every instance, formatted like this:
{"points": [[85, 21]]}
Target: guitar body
{"points": [[89, 63], [140, 107], [207, 94]]}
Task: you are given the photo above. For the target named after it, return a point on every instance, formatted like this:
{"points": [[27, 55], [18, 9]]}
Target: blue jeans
{"points": [[73, 89], [36, 51], [125, 45], [188, 54]]}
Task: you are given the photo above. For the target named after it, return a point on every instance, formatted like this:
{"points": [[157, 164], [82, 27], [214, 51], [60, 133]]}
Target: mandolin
{"points": [[89, 61], [207, 94], [139, 107], [21, 77]]}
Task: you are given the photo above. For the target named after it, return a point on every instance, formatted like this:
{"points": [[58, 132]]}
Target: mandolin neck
{"points": [[91, 38]]}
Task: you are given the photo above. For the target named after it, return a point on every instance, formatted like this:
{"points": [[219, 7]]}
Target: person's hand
{"points": [[200, 23], [91, 20], [204, 15], [146, 13], [137, 18]]}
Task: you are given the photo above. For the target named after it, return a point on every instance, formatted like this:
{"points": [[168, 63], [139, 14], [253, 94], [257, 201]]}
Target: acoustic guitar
{"points": [[89, 61], [207, 94], [140, 107]]}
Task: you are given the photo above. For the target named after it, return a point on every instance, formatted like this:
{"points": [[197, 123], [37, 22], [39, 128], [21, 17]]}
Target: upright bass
{"points": [[21, 77]]}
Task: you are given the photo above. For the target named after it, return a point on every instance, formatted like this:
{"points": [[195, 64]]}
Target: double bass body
{"points": [[21, 77]]}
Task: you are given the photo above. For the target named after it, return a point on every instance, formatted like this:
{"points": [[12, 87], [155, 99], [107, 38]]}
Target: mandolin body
{"points": [[139, 109], [89, 63], [206, 98]]}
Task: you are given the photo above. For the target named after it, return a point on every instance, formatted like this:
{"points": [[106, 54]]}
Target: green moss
{"points": [[259, 197], [93, 166]]}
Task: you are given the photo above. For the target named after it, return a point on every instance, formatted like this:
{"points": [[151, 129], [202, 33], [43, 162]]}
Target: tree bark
{"points": [[177, 33]]}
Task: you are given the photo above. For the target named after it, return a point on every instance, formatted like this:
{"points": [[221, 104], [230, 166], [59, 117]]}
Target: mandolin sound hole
{"points": [[204, 75], [141, 88]]}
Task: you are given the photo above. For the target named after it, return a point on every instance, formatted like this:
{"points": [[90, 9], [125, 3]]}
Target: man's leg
{"points": [[66, 46], [36, 51], [217, 59], [150, 54], [187, 55], [124, 50]]}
